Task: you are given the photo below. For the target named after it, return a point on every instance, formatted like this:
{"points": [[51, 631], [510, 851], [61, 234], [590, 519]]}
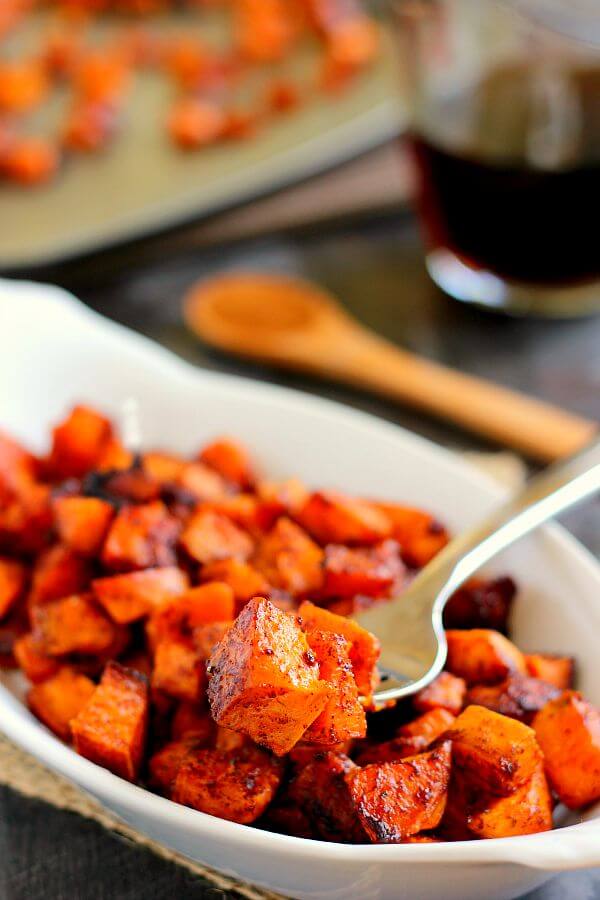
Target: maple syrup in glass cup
{"points": [[505, 137]]}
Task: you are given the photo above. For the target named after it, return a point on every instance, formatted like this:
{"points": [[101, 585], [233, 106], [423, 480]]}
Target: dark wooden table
{"points": [[376, 269]]}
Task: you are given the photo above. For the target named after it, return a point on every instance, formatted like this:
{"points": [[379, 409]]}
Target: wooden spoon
{"points": [[295, 325]]}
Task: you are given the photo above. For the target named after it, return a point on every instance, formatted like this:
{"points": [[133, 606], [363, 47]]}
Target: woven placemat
{"points": [[21, 772]]}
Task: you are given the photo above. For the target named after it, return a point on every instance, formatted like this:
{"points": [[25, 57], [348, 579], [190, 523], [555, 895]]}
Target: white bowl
{"points": [[54, 352]]}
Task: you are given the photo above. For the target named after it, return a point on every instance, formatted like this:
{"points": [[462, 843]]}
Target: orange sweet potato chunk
{"points": [[164, 765], [74, 624], [134, 595], [179, 670], [111, 729], [78, 443], [418, 533], [244, 580], [482, 656], [343, 717], [370, 571], [35, 664], [399, 799], [190, 720], [556, 670], [264, 680], [365, 648], [210, 602], [319, 789], [495, 752], [231, 460], [58, 572], [237, 786], [446, 691], [568, 730], [527, 811], [141, 536], [333, 518], [519, 696], [411, 738], [13, 579], [82, 522], [209, 537], [58, 700], [289, 559]]}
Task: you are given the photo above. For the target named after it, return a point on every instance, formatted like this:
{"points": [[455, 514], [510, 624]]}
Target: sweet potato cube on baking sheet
{"points": [[237, 786], [290, 559], [36, 665], [78, 443], [179, 670], [568, 731], [482, 656], [82, 522], [396, 800], [60, 699], [58, 572], [244, 580], [318, 787], [264, 680], [141, 536], [135, 594], [333, 518], [495, 752], [74, 624], [111, 729], [519, 696], [13, 579], [231, 460], [556, 670], [164, 765], [419, 534], [365, 648], [343, 717], [446, 691], [527, 811], [370, 571], [209, 537]]}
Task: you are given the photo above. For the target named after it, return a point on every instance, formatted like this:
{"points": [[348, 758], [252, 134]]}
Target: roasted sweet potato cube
{"points": [[333, 518], [411, 738], [26, 519], [481, 603], [59, 699], [58, 572], [78, 442], [370, 571], [164, 765], [237, 786], [289, 559], [318, 787], [365, 649], [228, 740], [206, 637], [210, 602], [493, 751], [191, 720], [82, 522], [568, 731], [13, 579], [519, 696], [284, 817], [482, 656], [280, 498], [419, 534], [343, 717], [201, 482], [74, 624], [111, 729], [231, 460], [36, 665], [18, 467], [179, 670], [527, 811], [446, 691], [398, 799], [209, 537], [556, 670], [244, 580], [141, 536], [264, 680], [136, 594]]}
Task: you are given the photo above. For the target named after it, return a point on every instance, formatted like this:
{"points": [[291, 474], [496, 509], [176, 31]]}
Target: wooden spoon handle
{"points": [[537, 429]]}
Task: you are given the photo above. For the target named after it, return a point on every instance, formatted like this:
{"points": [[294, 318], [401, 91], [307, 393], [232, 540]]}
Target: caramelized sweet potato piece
{"points": [[13, 578], [183, 615], [25, 519], [231, 460], [35, 664], [343, 717], [556, 670], [206, 637], [135, 594], [289, 559], [82, 522], [481, 604], [111, 728], [446, 691], [237, 786], [244, 580], [141, 536], [228, 740], [78, 442], [568, 731], [396, 800], [482, 656], [179, 669], [370, 571], [201, 482], [18, 467], [333, 518], [58, 700], [164, 765], [419, 534], [58, 572], [320, 790], [74, 624], [527, 811], [264, 680], [519, 696], [209, 537], [411, 738], [365, 648], [264, 29], [494, 752], [191, 721]]}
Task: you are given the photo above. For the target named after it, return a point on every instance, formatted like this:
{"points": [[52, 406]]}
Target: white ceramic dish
{"points": [[54, 352]]}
